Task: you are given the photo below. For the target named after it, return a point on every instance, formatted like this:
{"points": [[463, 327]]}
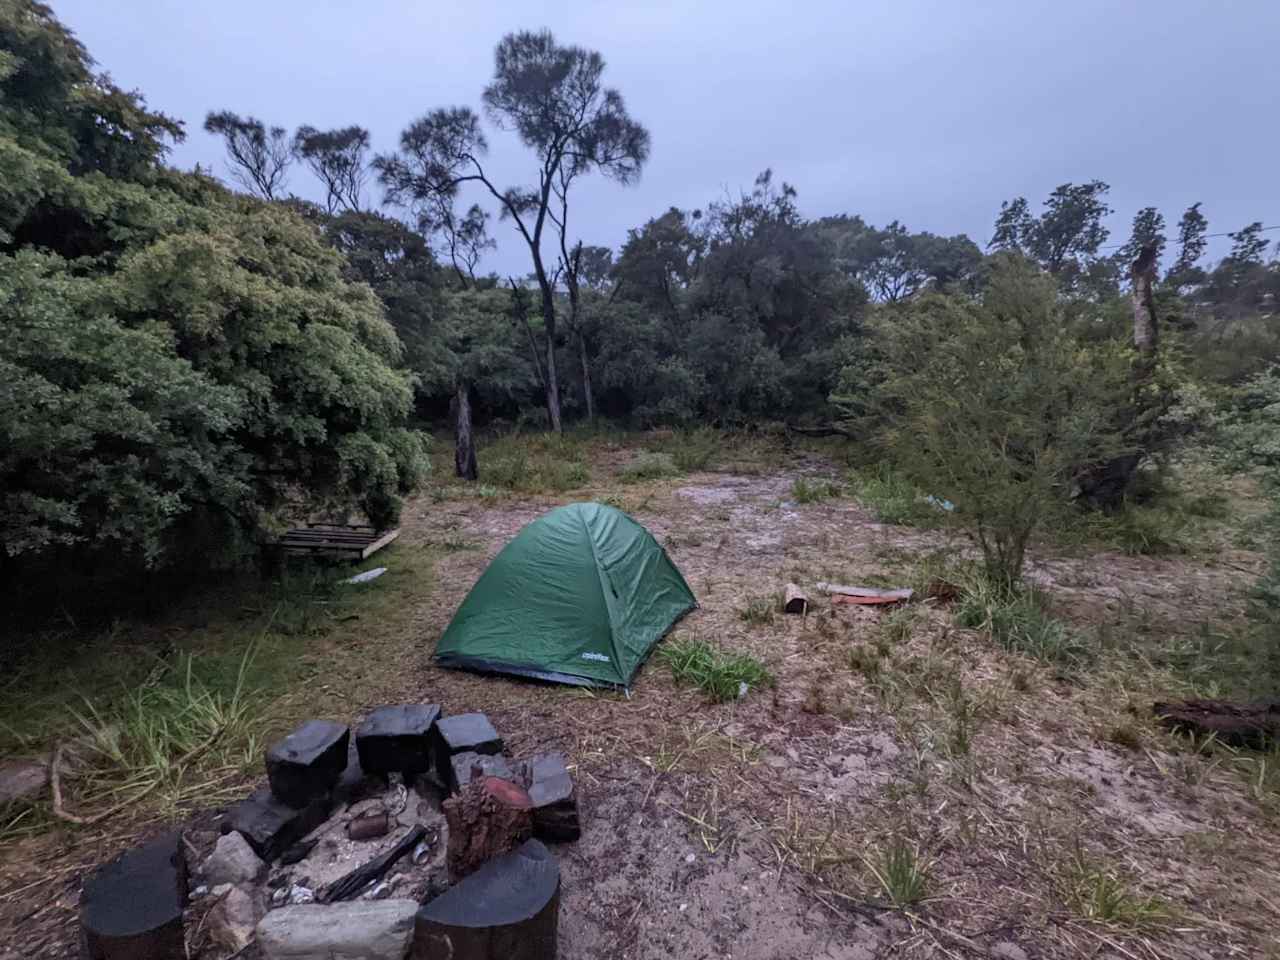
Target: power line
{"points": [[1225, 233]]}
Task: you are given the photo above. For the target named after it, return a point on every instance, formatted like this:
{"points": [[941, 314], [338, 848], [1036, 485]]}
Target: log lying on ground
{"points": [[507, 910], [1254, 725], [486, 818]]}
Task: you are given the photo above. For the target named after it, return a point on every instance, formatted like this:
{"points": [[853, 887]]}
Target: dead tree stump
{"points": [[487, 818]]}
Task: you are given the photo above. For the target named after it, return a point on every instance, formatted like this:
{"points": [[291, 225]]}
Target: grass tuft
{"points": [[1017, 620], [814, 491], [147, 740], [1096, 892], [760, 610], [893, 498], [902, 872], [718, 673]]}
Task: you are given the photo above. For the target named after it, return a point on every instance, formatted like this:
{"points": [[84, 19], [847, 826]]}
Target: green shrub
{"points": [[718, 673], [649, 466], [179, 365], [1097, 892], [994, 405]]}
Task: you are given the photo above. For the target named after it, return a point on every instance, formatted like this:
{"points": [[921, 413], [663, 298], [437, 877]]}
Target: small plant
{"points": [[902, 872], [1141, 530], [896, 628], [963, 713], [813, 491], [1097, 892], [867, 661], [719, 673], [759, 610]]}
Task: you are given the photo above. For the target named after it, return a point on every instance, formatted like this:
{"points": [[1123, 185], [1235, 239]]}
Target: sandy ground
{"points": [[751, 830], [746, 830]]}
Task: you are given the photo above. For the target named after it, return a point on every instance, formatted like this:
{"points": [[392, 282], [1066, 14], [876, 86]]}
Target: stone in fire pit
{"points": [[308, 762]]}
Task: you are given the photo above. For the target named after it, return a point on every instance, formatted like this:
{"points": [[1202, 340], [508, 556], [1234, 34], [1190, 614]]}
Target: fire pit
{"points": [[414, 832]]}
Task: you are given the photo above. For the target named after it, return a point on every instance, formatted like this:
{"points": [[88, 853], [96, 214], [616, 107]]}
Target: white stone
{"points": [[300, 894], [233, 861], [233, 918], [358, 930], [1007, 950]]}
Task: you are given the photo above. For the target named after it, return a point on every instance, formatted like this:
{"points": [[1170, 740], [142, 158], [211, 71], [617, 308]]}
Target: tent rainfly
{"points": [[581, 595]]}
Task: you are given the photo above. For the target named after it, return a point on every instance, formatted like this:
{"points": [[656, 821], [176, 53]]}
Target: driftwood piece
{"points": [[1253, 725], [507, 910], [487, 818], [794, 600], [864, 595], [348, 886]]}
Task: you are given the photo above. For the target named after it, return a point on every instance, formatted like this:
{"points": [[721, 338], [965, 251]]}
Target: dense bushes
{"points": [[992, 404], [175, 358]]}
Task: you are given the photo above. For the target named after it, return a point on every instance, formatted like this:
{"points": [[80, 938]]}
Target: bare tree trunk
{"points": [[464, 448], [522, 315], [553, 379], [1145, 329], [1107, 484], [586, 378]]}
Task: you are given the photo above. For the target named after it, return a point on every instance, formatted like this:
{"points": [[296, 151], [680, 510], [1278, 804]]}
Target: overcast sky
{"points": [[927, 112]]}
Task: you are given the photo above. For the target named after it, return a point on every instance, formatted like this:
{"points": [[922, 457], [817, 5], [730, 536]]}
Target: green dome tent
{"points": [[581, 595]]}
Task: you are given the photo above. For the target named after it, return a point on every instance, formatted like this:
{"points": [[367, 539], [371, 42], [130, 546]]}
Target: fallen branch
{"points": [[55, 781]]}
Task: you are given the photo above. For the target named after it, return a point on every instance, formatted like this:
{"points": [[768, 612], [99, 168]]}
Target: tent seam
{"points": [[605, 590]]}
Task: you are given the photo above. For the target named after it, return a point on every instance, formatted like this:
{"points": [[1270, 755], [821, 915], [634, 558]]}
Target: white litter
{"points": [[368, 575]]}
